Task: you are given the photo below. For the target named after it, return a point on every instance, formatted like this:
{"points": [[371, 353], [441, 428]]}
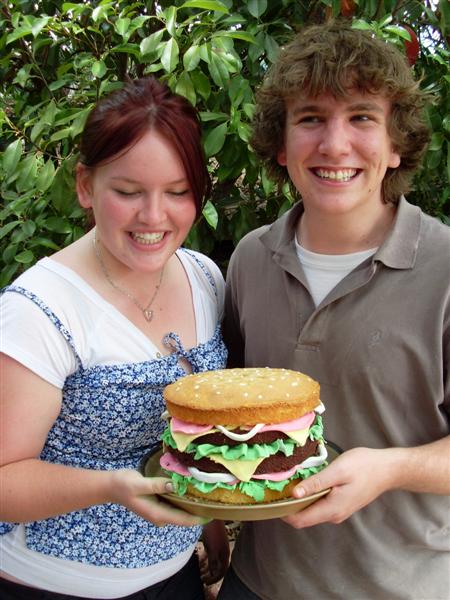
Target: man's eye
{"points": [[309, 119], [361, 118]]}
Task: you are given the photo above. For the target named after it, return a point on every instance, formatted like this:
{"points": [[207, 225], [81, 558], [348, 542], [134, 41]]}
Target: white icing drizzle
{"points": [[240, 437], [320, 409], [211, 477], [315, 461]]}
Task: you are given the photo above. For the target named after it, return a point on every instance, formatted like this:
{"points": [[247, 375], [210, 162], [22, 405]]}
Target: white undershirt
{"points": [[324, 271]]}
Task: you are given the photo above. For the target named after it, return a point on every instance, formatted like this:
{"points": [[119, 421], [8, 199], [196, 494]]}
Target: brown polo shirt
{"points": [[379, 344]]}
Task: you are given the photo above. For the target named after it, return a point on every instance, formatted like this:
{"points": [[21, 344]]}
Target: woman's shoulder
{"points": [[203, 263]]}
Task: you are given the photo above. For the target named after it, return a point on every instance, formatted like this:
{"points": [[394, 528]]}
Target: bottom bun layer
{"points": [[237, 497]]}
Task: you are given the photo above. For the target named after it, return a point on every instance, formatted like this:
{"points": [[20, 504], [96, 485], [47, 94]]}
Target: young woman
{"points": [[90, 337]]}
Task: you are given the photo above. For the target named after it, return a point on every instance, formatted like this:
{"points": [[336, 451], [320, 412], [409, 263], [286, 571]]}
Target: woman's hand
{"points": [[139, 494]]}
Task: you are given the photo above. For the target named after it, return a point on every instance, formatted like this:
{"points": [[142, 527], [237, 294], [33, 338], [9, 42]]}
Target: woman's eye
{"points": [[179, 192], [125, 193]]}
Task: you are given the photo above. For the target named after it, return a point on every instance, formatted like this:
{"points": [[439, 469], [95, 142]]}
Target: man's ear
{"points": [[395, 160], [84, 185]]}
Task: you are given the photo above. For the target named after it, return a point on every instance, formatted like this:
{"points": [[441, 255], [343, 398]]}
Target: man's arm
{"points": [[360, 475]]}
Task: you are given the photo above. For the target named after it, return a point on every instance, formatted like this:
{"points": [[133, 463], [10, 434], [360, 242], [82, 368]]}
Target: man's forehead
{"points": [[354, 100]]}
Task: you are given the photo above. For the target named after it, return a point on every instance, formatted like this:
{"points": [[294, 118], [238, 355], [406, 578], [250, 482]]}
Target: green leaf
{"points": [[6, 229], [244, 131], [122, 26], [101, 12], [191, 58], [19, 33], [210, 213], [61, 134], [27, 173], [257, 7], [45, 176], [206, 5], [7, 274], [23, 75], [58, 225], [185, 88], [169, 57], [24, 257], [272, 48], [218, 70], [170, 15], [201, 83], [151, 43], [44, 242], [215, 139], [437, 139], [238, 35], [28, 228], [11, 157], [98, 69], [38, 25]]}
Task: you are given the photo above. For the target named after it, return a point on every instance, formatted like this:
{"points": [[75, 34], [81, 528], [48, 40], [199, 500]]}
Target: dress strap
{"points": [[204, 268], [50, 314]]}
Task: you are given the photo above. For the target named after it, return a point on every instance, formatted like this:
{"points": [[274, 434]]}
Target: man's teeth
{"points": [[147, 238], [342, 175]]}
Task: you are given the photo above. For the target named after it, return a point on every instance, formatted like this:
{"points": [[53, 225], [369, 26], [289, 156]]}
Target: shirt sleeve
{"points": [[29, 337]]}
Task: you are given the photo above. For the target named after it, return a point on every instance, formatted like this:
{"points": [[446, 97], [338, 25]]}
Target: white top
{"points": [[102, 335], [92, 320], [324, 271]]}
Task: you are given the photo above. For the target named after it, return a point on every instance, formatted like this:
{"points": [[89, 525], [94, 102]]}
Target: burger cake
{"points": [[242, 436]]}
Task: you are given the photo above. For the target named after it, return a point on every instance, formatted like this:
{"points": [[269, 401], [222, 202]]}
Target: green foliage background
{"points": [[57, 58]]}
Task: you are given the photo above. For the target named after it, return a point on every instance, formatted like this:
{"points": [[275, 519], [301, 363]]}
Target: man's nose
{"points": [[336, 139]]}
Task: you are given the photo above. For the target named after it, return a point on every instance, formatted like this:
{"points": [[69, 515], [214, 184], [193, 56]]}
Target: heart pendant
{"points": [[148, 314]]}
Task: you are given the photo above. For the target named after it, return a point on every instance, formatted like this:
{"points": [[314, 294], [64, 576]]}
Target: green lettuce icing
{"points": [[316, 430], [244, 450], [254, 488]]}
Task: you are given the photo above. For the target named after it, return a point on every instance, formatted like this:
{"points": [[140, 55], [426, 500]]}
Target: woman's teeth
{"points": [[147, 238], [341, 175]]}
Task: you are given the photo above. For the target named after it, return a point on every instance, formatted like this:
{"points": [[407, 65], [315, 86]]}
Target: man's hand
{"points": [[356, 478]]}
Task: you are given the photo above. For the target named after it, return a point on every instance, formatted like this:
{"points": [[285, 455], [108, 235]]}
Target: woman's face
{"points": [[142, 203]]}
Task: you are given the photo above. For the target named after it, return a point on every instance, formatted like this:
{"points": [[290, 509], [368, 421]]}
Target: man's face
{"points": [[337, 151]]}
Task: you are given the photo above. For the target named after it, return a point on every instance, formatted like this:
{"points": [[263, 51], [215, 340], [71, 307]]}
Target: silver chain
{"points": [[148, 314]]}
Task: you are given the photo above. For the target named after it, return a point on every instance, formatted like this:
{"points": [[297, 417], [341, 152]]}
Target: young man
{"points": [[352, 287]]}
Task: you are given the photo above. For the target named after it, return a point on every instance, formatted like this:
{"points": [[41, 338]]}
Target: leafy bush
{"points": [[56, 63]]}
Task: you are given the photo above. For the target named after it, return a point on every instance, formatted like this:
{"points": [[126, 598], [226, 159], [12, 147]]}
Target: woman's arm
{"points": [[31, 489]]}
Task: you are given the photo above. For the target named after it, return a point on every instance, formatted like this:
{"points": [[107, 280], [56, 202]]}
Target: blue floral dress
{"points": [[110, 418]]}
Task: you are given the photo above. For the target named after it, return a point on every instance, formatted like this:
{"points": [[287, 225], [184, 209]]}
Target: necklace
{"points": [[146, 310]]}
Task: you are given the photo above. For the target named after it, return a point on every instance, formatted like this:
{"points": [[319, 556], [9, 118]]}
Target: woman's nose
{"points": [[151, 209]]}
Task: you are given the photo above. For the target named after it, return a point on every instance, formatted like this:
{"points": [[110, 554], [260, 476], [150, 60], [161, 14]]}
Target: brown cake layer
{"points": [[220, 439], [272, 464]]}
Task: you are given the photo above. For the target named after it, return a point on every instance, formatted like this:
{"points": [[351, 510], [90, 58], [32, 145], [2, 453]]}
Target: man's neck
{"points": [[344, 234]]}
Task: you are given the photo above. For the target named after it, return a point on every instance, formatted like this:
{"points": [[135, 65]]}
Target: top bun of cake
{"points": [[242, 396]]}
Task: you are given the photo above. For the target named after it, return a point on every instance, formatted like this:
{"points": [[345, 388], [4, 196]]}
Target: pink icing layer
{"points": [[185, 427], [169, 462], [191, 428]]}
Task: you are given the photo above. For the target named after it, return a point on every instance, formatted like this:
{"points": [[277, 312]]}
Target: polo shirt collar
{"points": [[398, 251]]}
